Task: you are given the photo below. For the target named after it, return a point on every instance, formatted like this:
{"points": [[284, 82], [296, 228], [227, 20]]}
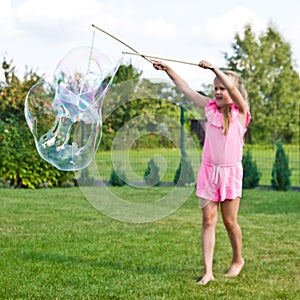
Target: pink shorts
{"points": [[219, 182]]}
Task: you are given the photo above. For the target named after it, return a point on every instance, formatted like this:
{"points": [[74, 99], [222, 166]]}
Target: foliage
{"points": [[264, 61], [273, 85], [151, 175], [4, 184], [281, 172], [85, 179], [117, 177], [138, 101], [250, 173], [20, 163], [184, 174]]}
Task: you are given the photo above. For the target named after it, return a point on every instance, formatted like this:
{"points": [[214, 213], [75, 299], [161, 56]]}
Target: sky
{"points": [[38, 34]]}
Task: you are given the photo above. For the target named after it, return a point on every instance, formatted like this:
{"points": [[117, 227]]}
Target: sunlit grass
{"points": [[55, 245]]}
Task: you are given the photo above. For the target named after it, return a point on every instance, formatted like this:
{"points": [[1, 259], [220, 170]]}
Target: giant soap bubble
{"points": [[64, 115]]}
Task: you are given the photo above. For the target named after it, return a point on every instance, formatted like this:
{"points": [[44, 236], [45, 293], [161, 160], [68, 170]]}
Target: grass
{"points": [[55, 245]]}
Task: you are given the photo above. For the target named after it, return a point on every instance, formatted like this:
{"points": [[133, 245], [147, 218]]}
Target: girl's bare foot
{"points": [[235, 268], [206, 279]]}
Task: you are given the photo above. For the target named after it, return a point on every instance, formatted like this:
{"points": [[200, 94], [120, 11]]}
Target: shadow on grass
{"points": [[56, 258]]}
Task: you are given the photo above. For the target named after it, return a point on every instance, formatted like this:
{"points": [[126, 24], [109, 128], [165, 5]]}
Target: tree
{"points": [[131, 96], [281, 172], [251, 175], [20, 162], [151, 175], [266, 66], [184, 174], [117, 177]]}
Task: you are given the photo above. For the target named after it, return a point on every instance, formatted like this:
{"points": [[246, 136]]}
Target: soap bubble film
{"points": [[151, 205], [64, 113]]}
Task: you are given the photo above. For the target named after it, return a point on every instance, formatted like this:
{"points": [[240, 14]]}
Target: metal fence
{"points": [[134, 162]]}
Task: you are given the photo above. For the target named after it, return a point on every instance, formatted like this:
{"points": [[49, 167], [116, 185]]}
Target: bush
{"points": [[151, 175], [184, 174], [85, 179], [20, 162], [251, 175], [4, 183], [281, 172], [117, 177]]}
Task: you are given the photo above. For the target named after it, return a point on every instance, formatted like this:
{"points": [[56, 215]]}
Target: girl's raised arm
{"points": [[181, 84], [233, 91]]}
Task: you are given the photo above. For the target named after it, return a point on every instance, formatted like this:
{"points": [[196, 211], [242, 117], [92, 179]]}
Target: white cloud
{"points": [[160, 29], [60, 19], [39, 32], [224, 27], [36, 10], [7, 20]]}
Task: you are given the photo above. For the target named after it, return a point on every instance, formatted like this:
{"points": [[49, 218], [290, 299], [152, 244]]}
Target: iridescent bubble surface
{"points": [[64, 115]]}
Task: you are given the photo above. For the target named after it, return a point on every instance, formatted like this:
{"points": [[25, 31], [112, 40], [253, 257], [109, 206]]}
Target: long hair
{"points": [[237, 80]]}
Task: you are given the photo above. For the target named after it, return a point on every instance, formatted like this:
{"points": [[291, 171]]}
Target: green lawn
{"points": [[55, 245]]}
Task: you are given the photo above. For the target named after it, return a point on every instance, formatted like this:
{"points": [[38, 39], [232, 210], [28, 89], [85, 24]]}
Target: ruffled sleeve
{"points": [[215, 117], [234, 113]]}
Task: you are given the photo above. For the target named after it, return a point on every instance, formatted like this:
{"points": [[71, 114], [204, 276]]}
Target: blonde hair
{"points": [[238, 82]]}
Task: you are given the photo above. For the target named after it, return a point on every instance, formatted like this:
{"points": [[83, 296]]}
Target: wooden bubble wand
{"points": [[146, 57], [167, 59], [120, 41], [162, 58]]}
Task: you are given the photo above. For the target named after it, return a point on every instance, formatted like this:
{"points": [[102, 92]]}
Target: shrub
{"points": [[251, 175], [85, 179], [184, 174], [20, 162], [151, 175], [281, 172], [117, 177], [4, 183]]}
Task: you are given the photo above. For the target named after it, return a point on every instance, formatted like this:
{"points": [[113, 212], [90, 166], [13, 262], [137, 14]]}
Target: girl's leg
{"points": [[209, 221], [229, 209]]}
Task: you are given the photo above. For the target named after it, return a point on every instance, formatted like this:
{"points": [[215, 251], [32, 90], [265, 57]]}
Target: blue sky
{"points": [[39, 33]]}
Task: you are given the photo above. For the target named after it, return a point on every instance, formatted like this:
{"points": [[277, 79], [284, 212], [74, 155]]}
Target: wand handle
{"points": [[167, 59]]}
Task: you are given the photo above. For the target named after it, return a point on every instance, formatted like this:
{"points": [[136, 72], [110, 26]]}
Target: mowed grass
{"points": [[55, 245]]}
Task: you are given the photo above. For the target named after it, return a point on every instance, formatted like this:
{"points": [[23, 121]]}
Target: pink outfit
{"points": [[221, 173]]}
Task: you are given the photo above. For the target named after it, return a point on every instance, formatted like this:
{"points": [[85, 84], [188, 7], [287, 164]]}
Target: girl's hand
{"points": [[205, 65], [159, 65]]}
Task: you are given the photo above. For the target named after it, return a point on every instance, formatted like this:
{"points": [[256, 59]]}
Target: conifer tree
{"points": [[184, 174], [251, 175], [281, 172], [151, 175], [117, 177]]}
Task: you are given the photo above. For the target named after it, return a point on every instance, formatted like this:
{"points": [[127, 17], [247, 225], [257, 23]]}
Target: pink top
{"points": [[221, 149]]}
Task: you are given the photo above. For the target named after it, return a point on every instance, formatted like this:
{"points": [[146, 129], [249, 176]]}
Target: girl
{"points": [[220, 176]]}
